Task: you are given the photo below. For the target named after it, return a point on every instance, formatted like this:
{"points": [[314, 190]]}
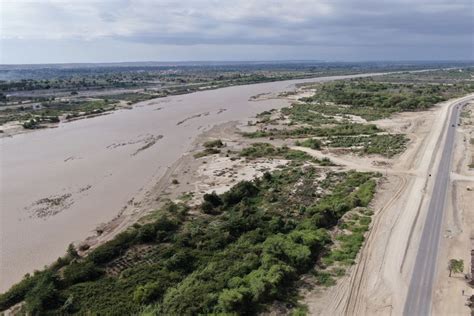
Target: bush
{"points": [[258, 150], [243, 189], [211, 203], [147, 233], [43, 295], [17, 292], [213, 199], [231, 300], [146, 294], [325, 279], [366, 192], [113, 248], [31, 124], [312, 143], [214, 144], [299, 311], [72, 252], [77, 272], [206, 152], [280, 247]]}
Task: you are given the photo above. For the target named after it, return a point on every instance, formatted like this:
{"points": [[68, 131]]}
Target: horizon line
{"points": [[223, 61]]}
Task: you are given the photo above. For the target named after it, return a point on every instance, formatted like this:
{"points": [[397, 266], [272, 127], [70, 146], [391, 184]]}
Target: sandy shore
{"points": [[100, 175]]}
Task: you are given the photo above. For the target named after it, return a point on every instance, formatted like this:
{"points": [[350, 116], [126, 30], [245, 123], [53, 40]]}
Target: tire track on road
{"points": [[359, 276]]}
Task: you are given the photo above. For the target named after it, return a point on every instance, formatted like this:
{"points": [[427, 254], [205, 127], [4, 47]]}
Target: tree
{"points": [[145, 294], [72, 252], [43, 295], [213, 198], [211, 202], [230, 299], [456, 266], [3, 98], [81, 272]]}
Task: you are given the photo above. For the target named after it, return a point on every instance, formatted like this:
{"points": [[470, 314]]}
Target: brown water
{"points": [[96, 165]]}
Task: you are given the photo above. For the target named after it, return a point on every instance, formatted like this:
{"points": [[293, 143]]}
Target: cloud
{"points": [[304, 22], [300, 23]]}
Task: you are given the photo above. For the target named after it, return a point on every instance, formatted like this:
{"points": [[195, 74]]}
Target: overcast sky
{"points": [[50, 31]]}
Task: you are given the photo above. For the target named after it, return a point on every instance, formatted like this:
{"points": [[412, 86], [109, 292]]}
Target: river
{"points": [[57, 185]]}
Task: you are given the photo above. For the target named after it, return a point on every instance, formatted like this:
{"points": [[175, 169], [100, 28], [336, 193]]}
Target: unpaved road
{"points": [[420, 291]]}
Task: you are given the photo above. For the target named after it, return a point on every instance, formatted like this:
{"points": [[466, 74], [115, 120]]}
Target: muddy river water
{"points": [[57, 185]]}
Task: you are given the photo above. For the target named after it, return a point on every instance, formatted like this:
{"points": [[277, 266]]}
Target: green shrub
{"points": [[325, 278], [145, 294], [31, 124], [214, 144], [43, 295], [147, 233], [18, 291], [206, 152], [214, 199], [77, 272], [243, 189], [313, 143], [299, 311], [238, 299], [113, 248], [211, 203]]}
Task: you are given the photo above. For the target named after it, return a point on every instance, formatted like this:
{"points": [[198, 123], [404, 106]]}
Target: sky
{"points": [[63, 31]]}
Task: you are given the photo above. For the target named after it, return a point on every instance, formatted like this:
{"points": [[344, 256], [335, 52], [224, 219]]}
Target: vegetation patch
{"points": [[366, 93], [266, 150], [304, 132], [51, 111], [312, 143], [386, 144], [214, 144], [348, 243], [210, 148], [306, 113]]}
